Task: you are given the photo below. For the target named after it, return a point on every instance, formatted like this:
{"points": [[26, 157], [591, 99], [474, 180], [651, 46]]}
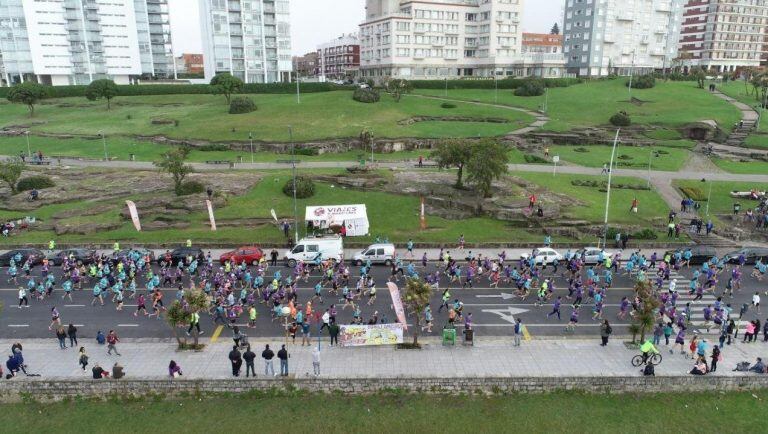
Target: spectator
{"points": [[283, 356], [174, 369], [758, 367], [117, 371], [268, 355], [99, 372], [249, 357], [237, 361]]}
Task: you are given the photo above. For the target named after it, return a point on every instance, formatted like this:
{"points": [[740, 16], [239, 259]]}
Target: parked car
{"points": [[592, 255], [751, 254], [180, 254], [84, 256], [699, 254], [376, 253], [36, 255], [249, 254], [543, 255], [140, 250]]}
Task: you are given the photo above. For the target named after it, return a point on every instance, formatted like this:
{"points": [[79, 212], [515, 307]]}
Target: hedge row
{"points": [[506, 83], [189, 89]]}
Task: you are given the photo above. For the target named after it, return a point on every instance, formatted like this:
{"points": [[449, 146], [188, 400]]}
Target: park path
{"points": [[540, 118], [749, 118]]}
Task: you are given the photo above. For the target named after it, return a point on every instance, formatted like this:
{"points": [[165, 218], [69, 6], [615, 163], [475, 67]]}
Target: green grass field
{"points": [[737, 90], [729, 166], [628, 157], [722, 202], [759, 141], [670, 104], [732, 412], [319, 116]]}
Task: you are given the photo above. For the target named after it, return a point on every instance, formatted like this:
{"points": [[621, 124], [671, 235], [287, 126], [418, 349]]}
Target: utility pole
{"points": [[608, 191], [104, 142], [250, 137], [295, 206], [631, 74], [29, 148]]}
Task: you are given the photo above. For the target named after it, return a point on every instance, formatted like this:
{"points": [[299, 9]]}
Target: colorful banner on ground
{"points": [[134, 214], [210, 214], [354, 335], [397, 303]]}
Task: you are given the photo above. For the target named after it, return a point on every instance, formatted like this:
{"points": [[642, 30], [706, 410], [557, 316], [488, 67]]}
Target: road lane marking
{"points": [[74, 305], [18, 325], [216, 333], [127, 325], [526, 335]]}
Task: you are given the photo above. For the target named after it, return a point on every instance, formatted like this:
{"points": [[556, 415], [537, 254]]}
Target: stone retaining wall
{"points": [[46, 390]]}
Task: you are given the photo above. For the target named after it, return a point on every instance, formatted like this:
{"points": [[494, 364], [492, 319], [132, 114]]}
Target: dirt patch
{"points": [[415, 119]]}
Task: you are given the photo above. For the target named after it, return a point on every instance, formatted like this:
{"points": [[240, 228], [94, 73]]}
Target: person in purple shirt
{"points": [[468, 322], [556, 308], [573, 321], [679, 340]]}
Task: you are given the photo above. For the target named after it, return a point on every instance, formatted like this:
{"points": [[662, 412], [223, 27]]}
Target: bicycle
{"points": [[653, 359]]}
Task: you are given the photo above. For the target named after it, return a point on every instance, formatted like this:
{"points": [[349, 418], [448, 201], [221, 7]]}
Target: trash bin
{"points": [[449, 336], [469, 336]]}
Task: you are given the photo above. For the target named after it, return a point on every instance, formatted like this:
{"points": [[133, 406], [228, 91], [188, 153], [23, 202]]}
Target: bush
{"points": [[642, 82], [505, 83], [241, 105], [190, 187], [645, 234], [307, 151], [305, 187], [625, 157], [447, 105], [694, 193], [213, 148], [534, 159], [367, 96], [581, 149], [621, 119], [531, 87], [34, 183]]}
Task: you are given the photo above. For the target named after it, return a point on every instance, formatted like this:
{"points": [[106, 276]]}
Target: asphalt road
{"points": [[494, 310]]}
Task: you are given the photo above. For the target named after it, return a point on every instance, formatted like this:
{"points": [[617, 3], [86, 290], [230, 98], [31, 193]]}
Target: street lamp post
{"points": [[608, 190], [651, 155], [495, 88], [709, 195], [631, 74], [104, 143], [250, 137], [295, 206], [446, 87], [759, 116], [29, 148], [546, 100]]}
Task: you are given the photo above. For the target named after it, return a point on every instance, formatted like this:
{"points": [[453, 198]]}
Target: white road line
{"points": [[127, 325], [74, 305], [18, 325]]}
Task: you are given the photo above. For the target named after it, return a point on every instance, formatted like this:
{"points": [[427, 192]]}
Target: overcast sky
{"points": [[316, 21]]}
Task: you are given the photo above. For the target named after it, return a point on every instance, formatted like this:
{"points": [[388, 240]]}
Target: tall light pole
{"points": [[250, 137], [495, 88], [709, 195], [631, 74], [29, 148], [104, 142], [546, 99], [608, 190], [446, 87], [295, 206], [298, 92], [650, 158], [760, 109]]}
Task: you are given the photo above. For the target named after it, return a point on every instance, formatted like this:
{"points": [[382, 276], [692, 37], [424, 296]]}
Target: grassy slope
{"points": [[319, 116], [670, 104], [758, 167], [336, 413], [673, 160], [722, 202]]}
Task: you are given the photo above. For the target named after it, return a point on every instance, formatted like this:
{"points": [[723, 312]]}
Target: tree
{"points": [[555, 30], [415, 299], [173, 163], [180, 313], [488, 162], [10, 172], [225, 84], [28, 93], [397, 88], [453, 153], [644, 318], [700, 76], [104, 88]]}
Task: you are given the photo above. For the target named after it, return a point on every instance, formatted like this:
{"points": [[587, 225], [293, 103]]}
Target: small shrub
{"points": [[643, 82], [305, 187], [34, 183], [129, 117], [625, 157], [531, 87], [191, 187], [645, 234], [306, 151], [241, 105], [447, 105], [621, 119], [213, 148], [534, 159], [694, 193], [583, 150], [367, 96]]}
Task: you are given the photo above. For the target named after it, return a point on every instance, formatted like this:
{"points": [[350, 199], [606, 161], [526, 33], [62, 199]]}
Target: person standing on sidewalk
{"points": [[72, 334], [283, 356], [249, 357], [333, 331], [61, 335], [518, 331], [715, 358], [112, 341], [268, 355], [83, 358], [236, 359], [605, 332], [316, 361]]}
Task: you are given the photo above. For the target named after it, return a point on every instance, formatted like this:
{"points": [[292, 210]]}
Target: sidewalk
{"points": [[148, 359]]}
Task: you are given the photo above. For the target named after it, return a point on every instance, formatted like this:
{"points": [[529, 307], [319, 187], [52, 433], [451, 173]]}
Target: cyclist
{"points": [[647, 349]]}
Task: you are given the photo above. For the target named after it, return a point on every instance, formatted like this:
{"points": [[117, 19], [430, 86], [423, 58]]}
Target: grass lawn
{"points": [[337, 413], [628, 157], [319, 116], [758, 167], [736, 90], [722, 202], [669, 104], [120, 148], [759, 141]]}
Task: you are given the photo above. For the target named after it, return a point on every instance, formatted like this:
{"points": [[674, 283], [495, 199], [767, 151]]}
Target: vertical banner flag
{"points": [[274, 214], [422, 217], [210, 214], [397, 303], [134, 214]]}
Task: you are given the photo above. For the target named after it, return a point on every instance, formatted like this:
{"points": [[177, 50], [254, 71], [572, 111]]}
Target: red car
{"points": [[249, 254]]}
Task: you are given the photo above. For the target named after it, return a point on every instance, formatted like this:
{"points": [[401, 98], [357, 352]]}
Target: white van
{"points": [[376, 253], [307, 249]]}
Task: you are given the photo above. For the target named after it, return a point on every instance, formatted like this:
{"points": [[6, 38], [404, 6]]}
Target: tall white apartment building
{"points": [[62, 42], [250, 39], [604, 37], [429, 39]]}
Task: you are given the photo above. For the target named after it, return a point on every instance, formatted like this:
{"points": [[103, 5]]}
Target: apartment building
{"points": [[724, 35], [190, 63], [339, 59], [542, 43], [77, 41], [604, 37], [446, 39], [251, 39], [306, 65]]}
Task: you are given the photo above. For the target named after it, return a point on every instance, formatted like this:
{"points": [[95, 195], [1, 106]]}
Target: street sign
{"points": [[556, 159]]}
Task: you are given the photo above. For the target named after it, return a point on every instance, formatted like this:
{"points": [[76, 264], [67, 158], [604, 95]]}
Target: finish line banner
{"points": [[354, 335]]}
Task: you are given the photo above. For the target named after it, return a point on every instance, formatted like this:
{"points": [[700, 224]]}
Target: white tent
{"points": [[353, 217]]}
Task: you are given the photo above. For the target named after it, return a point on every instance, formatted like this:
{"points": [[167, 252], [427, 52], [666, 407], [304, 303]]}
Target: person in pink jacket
{"points": [[749, 332]]}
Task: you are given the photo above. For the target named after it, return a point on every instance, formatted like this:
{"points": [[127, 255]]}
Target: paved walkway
{"points": [[546, 358]]}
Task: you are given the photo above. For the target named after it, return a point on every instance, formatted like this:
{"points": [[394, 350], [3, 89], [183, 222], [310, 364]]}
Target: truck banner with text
{"points": [[354, 335]]}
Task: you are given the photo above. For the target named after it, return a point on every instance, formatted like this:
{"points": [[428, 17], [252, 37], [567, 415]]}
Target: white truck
{"points": [[308, 249]]}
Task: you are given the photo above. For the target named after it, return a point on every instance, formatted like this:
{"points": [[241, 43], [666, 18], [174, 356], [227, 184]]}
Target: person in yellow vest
{"points": [[116, 247], [194, 322], [51, 245], [189, 242]]}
